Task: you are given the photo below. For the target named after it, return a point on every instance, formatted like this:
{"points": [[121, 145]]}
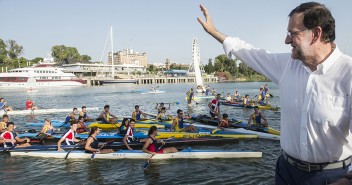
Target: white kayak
{"points": [[138, 154], [261, 135], [41, 111], [153, 92]]}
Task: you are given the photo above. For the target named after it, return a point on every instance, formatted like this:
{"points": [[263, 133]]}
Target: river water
{"points": [[208, 171]]}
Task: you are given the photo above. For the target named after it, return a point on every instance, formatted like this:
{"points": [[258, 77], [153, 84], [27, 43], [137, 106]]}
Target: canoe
{"points": [[153, 92], [142, 135], [234, 123], [262, 107], [138, 154], [114, 126], [134, 144], [42, 111]]}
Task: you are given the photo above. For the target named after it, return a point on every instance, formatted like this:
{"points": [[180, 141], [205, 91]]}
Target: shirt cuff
{"points": [[350, 168], [227, 45]]}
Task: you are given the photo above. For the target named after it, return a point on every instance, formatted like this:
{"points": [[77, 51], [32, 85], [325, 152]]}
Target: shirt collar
{"points": [[326, 65]]}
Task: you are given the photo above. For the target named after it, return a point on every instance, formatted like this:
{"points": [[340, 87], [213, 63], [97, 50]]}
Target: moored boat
{"points": [[138, 154]]}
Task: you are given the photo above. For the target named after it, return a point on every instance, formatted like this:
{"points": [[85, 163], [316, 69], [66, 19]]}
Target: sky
{"points": [[161, 28]]}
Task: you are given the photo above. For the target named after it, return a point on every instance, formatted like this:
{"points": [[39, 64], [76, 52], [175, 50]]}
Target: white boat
{"points": [[138, 154], [153, 92], [41, 111], [41, 75]]}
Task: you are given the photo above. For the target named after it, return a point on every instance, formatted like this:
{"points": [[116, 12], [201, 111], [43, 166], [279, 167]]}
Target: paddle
{"points": [[107, 143], [79, 143], [145, 166], [28, 131], [195, 101]]}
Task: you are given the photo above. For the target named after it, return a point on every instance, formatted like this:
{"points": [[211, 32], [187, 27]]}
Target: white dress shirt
{"points": [[316, 124]]}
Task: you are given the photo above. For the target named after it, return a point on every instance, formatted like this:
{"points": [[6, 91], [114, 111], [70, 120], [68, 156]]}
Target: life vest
{"points": [[129, 133], [154, 146], [257, 119], [214, 105], [107, 115], [95, 143], [136, 115], [245, 101], [69, 137], [48, 129], [179, 124], [81, 127], [8, 135], [3, 125]]}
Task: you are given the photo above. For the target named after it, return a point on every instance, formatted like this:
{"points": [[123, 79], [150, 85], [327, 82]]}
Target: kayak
{"points": [[108, 126], [102, 136], [153, 92], [42, 111], [262, 107], [138, 154], [235, 123], [134, 144]]}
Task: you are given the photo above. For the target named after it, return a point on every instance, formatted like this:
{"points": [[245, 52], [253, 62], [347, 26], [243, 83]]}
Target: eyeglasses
{"points": [[181, 113], [291, 34]]}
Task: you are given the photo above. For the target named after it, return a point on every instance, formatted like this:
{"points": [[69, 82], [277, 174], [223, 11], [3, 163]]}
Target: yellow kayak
{"points": [[115, 126]]}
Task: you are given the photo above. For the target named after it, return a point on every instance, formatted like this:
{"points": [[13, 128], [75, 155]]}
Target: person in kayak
{"points": [[128, 138], [11, 139], [214, 107], [30, 105], [3, 105], [83, 113], [81, 126], [224, 121], [228, 98], [246, 100], [236, 96], [3, 123], [106, 116], [177, 124], [136, 114], [72, 116], [190, 97], [257, 118], [151, 143], [69, 137], [159, 107], [47, 128], [163, 116], [124, 124], [207, 90], [92, 144]]}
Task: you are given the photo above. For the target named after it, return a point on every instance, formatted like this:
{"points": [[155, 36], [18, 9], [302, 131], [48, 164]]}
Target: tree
{"points": [[209, 68], [86, 58], [13, 49], [63, 53], [224, 64], [3, 51]]}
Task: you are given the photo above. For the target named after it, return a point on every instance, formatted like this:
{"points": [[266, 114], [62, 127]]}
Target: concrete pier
{"points": [[156, 80]]}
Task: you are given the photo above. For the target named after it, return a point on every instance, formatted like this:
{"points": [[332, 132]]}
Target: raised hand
{"points": [[208, 25]]}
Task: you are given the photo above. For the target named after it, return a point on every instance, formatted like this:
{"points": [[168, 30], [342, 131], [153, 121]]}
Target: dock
{"points": [[92, 81]]}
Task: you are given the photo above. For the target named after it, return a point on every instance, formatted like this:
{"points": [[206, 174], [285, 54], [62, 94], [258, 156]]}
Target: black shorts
{"points": [[212, 114]]}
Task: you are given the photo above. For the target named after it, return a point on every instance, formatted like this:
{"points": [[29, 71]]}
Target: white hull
{"points": [[41, 111], [138, 154], [40, 84]]}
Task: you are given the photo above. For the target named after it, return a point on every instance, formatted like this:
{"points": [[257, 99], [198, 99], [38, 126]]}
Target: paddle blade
{"points": [[145, 166]]}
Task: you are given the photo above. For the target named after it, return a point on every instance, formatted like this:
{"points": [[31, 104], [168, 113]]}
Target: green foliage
{"points": [[3, 51], [209, 68], [86, 58], [229, 67], [63, 53], [152, 68], [36, 60], [223, 64], [13, 49]]}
